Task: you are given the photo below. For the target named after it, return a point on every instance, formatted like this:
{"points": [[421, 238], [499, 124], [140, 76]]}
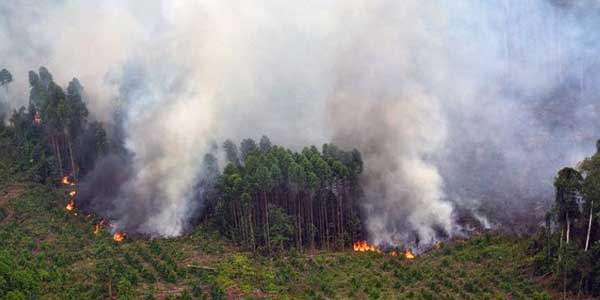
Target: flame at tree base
{"points": [[119, 237], [99, 226], [71, 205], [364, 246], [66, 180]]}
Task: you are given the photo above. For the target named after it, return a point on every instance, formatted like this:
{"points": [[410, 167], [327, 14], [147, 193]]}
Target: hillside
{"points": [[49, 253]]}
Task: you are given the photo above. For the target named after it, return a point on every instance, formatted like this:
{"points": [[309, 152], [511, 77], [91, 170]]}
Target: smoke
{"points": [[456, 106]]}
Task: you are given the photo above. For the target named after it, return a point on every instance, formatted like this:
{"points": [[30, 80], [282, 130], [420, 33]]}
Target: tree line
{"points": [[53, 135], [269, 198], [568, 248], [266, 198]]}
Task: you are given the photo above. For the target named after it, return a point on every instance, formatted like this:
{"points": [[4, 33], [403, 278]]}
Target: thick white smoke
{"points": [[452, 103]]}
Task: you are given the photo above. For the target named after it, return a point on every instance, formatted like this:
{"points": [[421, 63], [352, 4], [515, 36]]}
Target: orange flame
{"points": [[363, 246], [37, 119], [72, 193], [119, 236], [66, 180], [71, 205], [99, 226]]}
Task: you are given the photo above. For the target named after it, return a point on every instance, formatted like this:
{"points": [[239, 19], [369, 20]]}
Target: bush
{"points": [[125, 290], [217, 293]]}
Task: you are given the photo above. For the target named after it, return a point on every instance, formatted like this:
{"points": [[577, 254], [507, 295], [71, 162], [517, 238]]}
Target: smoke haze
{"points": [[455, 105]]}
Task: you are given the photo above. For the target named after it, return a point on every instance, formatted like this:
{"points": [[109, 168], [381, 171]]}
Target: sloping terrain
{"points": [[47, 252]]}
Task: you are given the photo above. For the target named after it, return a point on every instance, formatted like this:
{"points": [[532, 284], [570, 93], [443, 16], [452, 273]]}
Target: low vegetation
{"points": [[48, 253], [298, 208]]}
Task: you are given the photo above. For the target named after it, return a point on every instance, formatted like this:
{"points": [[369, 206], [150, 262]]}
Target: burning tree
{"points": [[119, 236], [64, 116]]}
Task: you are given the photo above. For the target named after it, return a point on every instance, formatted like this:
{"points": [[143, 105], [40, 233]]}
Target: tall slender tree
{"points": [[568, 185]]}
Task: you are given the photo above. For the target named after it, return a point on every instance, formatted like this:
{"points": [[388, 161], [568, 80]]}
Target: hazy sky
{"points": [[453, 103]]}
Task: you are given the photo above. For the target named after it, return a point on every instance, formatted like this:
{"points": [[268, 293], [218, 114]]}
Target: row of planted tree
{"points": [[270, 198], [569, 246]]}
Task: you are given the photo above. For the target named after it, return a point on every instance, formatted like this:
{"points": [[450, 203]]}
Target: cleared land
{"points": [[49, 253]]}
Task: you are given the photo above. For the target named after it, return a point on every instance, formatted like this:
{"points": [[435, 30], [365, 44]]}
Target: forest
{"points": [[273, 198], [53, 132], [568, 247], [267, 198]]}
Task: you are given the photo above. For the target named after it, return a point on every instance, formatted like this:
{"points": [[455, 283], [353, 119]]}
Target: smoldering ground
{"points": [[454, 104]]}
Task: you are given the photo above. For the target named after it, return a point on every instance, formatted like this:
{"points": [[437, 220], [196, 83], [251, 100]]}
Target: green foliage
{"points": [[16, 282], [268, 198], [54, 256], [125, 290], [282, 228], [278, 199], [51, 137], [567, 246]]}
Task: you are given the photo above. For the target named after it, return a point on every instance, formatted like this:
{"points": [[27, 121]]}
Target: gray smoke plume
{"points": [[456, 106]]}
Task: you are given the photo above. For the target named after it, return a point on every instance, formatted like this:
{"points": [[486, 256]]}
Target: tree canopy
{"points": [[276, 198]]}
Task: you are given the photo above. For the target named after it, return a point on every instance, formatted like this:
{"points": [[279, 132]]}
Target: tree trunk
{"points": [[587, 239], [267, 220], [251, 227], [57, 152], [568, 227], [74, 171], [562, 233], [326, 213], [311, 222], [299, 220], [110, 289], [565, 285], [239, 221], [234, 219]]}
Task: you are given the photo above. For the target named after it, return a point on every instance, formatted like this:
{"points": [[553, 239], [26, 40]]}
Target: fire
{"points": [[99, 226], [66, 180], [363, 246], [71, 205], [37, 119], [119, 236]]}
